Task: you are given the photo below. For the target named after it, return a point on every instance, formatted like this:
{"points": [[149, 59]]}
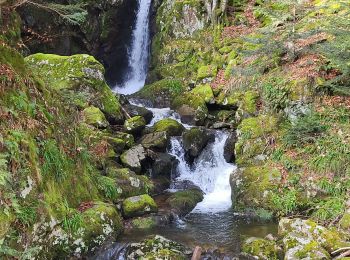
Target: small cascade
{"points": [[139, 52], [210, 172]]}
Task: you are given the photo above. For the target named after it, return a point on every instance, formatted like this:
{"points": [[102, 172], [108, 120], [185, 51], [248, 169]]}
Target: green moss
{"points": [[208, 71], [139, 205], [261, 248], [345, 221], [205, 92], [170, 126], [94, 116]]}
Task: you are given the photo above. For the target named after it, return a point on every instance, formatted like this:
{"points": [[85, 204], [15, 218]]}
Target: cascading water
{"points": [[210, 172], [139, 52]]}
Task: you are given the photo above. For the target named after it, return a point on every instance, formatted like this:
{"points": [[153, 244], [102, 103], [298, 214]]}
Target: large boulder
{"points": [[134, 158], [170, 126], [157, 141], [80, 80], [139, 205], [183, 202], [195, 140], [135, 124]]}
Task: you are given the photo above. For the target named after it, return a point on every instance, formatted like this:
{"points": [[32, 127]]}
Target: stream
{"points": [[212, 224]]}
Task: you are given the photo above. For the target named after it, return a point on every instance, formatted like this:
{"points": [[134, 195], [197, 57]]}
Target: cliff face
{"points": [[100, 28]]}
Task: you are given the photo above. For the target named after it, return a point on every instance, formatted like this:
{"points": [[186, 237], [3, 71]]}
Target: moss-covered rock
{"points": [[252, 136], [139, 205], [160, 93], [261, 248], [345, 221], [80, 79], [129, 184], [158, 141], [135, 124], [206, 72], [144, 222], [99, 223], [170, 126], [93, 116], [183, 202]]}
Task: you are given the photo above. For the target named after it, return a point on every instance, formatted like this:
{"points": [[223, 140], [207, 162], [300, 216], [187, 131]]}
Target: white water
{"points": [[210, 172], [139, 52]]}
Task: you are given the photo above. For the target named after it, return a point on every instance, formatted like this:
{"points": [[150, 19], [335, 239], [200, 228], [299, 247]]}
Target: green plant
{"points": [[329, 209], [5, 175], [276, 94], [55, 161], [72, 222], [305, 130], [27, 215], [107, 186], [285, 202]]}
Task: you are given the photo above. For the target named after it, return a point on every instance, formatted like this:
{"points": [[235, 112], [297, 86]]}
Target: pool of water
{"points": [[220, 231]]}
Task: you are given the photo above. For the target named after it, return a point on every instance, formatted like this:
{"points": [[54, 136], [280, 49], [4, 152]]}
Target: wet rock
{"points": [[170, 126], [262, 248], [134, 158], [133, 111], [135, 124], [93, 116], [229, 148], [221, 125], [235, 182], [163, 164], [139, 205], [158, 247], [183, 202], [195, 140], [184, 185], [187, 114], [128, 138], [157, 141]]}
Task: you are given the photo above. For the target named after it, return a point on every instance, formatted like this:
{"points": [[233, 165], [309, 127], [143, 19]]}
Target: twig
{"points": [[339, 250], [345, 254]]}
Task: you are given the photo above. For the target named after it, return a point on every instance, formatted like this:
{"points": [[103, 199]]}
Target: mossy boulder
{"points": [[79, 79], [262, 248], [94, 116], [252, 136], [128, 183], [257, 184], [160, 93], [170, 126], [139, 205], [183, 202], [100, 222], [158, 247], [305, 238], [134, 158], [195, 140], [127, 138], [135, 124], [163, 164], [205, 92], [158, 141]]}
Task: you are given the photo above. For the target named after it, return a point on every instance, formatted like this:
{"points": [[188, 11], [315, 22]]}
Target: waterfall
{"points": [[210, 172], [139, 52]]}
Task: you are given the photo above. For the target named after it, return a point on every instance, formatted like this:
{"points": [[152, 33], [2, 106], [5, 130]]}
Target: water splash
{"points": [[139, 52], [210, 172]]}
